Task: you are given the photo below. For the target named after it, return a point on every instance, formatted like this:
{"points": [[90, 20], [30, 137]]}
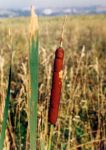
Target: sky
{"points": [[49, 3]]}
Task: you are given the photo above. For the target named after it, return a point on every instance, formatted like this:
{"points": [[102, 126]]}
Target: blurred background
{"points": [[15, 8]]}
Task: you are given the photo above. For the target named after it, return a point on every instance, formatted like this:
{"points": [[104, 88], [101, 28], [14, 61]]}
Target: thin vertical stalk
{"points": [[5, 116], [50, 137]]}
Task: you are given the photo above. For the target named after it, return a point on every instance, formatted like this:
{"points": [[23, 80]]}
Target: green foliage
{"points": [[83, 115], [63, 146], [79, 133], [5, 116], [42, 144], [34, 91]]}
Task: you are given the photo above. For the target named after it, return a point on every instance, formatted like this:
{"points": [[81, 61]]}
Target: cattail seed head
{"points": [[56, 86]]}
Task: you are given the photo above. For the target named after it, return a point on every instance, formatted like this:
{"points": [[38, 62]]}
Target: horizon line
{"points": [[49, 7]]}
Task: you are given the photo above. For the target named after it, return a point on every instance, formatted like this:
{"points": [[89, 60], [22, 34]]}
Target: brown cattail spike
{"points": [[56, 86]]}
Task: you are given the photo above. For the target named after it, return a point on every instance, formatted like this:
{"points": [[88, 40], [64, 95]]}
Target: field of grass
{"points": [[81, 122]]}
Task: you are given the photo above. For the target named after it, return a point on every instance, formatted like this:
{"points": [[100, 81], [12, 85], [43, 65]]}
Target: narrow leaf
{"points": [[5, 116], [33, 66], [34, 92]]}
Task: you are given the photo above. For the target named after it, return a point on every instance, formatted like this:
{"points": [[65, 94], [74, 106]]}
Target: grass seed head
{"points": [[33, 28]]}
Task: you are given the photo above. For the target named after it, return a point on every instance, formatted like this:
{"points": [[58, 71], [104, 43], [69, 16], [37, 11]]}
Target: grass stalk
{"points": [[5, 116]]}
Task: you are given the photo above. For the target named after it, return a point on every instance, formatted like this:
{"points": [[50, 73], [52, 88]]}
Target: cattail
{"points": [[56, 86]]}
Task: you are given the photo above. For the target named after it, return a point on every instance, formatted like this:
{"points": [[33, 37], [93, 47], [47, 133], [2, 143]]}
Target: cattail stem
{"points": [[55, 92], [50, 137], [62, 34]]}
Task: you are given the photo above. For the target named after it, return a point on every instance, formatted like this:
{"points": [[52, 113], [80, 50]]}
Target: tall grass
{"points": [[83, 98]]}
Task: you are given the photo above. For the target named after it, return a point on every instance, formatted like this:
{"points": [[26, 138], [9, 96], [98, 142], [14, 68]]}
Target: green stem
{"points": [[50, 137], [34, 91], [5, 116]]}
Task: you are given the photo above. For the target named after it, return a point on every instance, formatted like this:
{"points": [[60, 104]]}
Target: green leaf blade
{"points": [[5, 116]]}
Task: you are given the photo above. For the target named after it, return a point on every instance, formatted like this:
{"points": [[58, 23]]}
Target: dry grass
{"points": [[83, 99]]}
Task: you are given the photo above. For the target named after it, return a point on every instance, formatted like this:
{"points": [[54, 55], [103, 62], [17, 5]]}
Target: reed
{"points": [[5, 116], [33, 64]]}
